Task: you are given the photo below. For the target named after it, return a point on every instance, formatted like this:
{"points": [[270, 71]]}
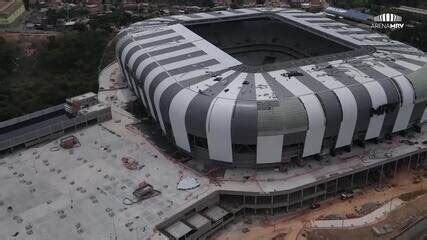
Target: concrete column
{"points": [[395, 167], [336, 186], [315, 191], [326, 190], [287, 207], [381, 173], [255, 204], [302, 197], [367, 177], [271, 208], [418, 161], [352, 179], [409, 163], [422, 161], [244, 205]]}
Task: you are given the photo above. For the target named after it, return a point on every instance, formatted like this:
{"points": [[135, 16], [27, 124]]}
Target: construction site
{"points": [[112, 181], [361, 217], [91, 169]]}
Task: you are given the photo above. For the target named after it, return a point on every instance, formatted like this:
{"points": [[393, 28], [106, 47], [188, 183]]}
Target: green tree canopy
{"points": [[66, 66], [7, 56]]}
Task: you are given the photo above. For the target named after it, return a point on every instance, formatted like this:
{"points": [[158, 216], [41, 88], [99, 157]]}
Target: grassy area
{"points": [[412, 195]]}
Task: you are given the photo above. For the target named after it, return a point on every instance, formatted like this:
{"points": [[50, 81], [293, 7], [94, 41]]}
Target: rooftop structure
{"points": [[264, 86], [53, 122], [350, 14], [312, 5], [10, 10], [76, 104]]}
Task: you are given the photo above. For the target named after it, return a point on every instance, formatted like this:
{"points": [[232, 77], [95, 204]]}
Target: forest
{"points": [[66, 66]]}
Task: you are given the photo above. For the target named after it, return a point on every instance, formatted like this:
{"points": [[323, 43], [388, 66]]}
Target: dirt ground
{"points": [[292, 226], [397, 218]]}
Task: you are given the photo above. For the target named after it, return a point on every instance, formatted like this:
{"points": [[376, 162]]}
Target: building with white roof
{"points": [[263, 86]]}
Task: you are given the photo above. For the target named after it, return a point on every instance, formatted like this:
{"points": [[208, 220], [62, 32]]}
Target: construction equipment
{"points": [[347, 195], [315, 205], [69, 142], [142, 192]]}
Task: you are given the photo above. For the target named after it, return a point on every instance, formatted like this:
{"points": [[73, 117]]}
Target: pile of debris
{"points": [[131, 163], [367, 208], [417, 179], [69, 142], [379, 154]]}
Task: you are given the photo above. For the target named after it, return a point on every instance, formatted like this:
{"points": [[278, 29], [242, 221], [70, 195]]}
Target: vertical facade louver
{"points": [[212, 106]]}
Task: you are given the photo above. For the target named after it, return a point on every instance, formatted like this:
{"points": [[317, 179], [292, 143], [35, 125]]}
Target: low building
{"points": [[10, 10], [349, 14], [75, 104], [311, 5], [53, 122]]}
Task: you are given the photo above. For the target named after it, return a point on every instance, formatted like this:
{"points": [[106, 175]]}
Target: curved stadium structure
{"points": [[253, 87]]}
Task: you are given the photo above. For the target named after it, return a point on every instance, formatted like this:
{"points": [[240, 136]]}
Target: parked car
{"points": [[315, 205], [347, 195]]}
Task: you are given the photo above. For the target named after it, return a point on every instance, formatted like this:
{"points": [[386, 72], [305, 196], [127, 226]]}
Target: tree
{"points": [[415, 36], [66, 66], [236, 3], [52, 16], [108, 21], [7, 56]]}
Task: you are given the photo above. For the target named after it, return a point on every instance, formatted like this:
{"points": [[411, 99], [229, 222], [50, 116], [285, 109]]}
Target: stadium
{"points": [[262, 87], [298, 124]]}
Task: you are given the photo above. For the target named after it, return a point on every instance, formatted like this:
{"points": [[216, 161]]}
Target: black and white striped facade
{"points": [[212, 107]]}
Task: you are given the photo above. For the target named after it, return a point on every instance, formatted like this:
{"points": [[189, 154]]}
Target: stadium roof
{"points": [[192, 87]]}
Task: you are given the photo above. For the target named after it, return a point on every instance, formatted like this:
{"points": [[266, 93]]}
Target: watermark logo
{"points": [[388, 20]]}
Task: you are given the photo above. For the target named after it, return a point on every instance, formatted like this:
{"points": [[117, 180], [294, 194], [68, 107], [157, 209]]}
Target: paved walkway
{"points": [[113, 88], [362, 221]]}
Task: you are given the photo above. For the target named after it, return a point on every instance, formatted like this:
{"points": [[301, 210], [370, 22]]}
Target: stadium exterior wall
{"points": [[211, 107]]}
